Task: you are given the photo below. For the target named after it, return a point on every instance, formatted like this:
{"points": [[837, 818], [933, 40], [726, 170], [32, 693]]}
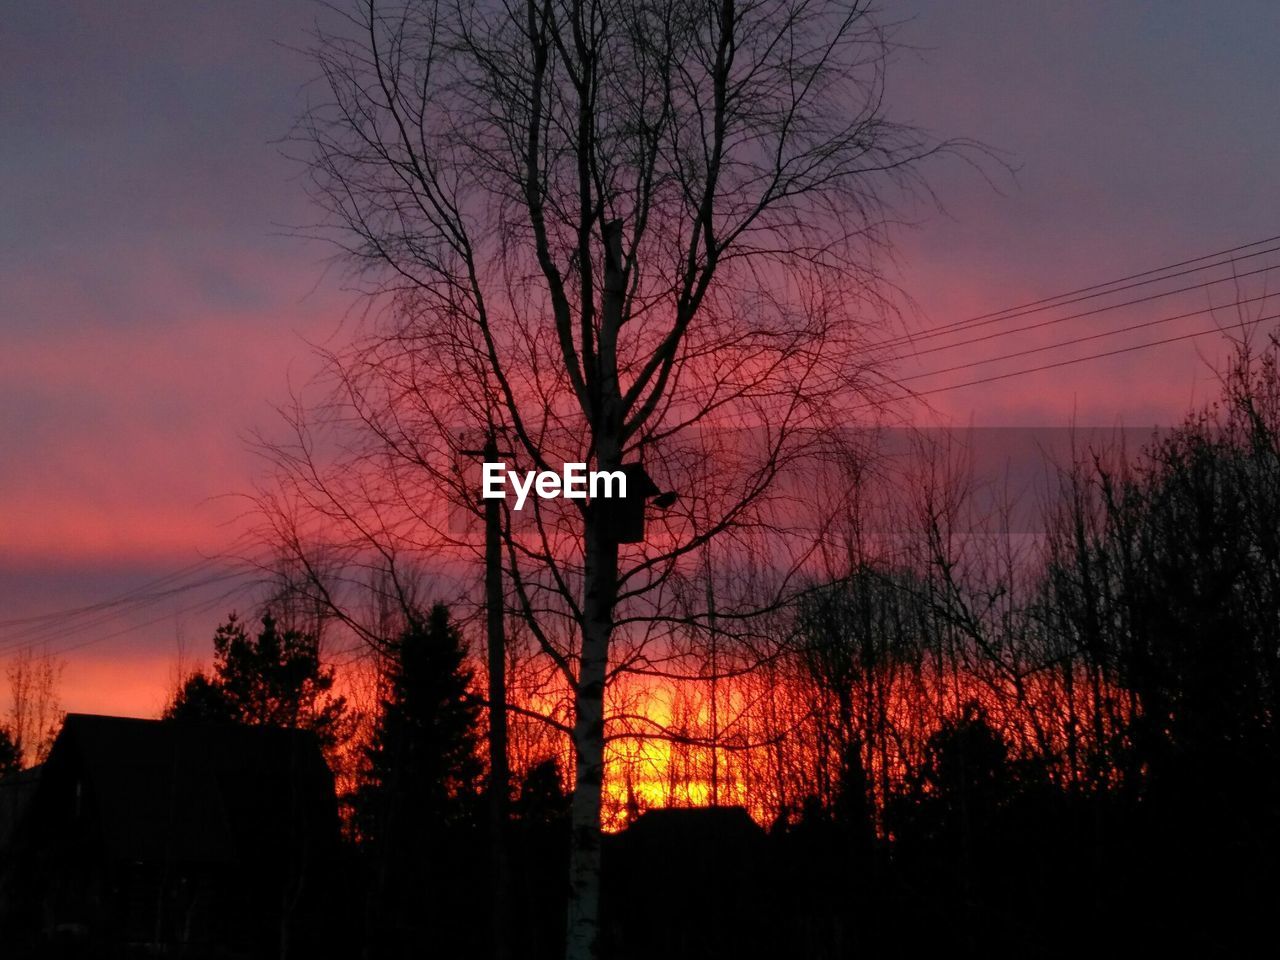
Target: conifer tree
{"points": [[418, 811], [423, 759], [276, 678]]}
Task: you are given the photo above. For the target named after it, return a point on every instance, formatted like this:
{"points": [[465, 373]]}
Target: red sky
{"points": [[154, 306]]}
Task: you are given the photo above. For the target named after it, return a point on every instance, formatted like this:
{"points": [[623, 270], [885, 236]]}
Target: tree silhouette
{"points": [[541, 798], [1164, 584], [418, 806], [10, 753], [539, 857], [609, 233], [966, 773], [275, 678], [423, 760], [201, 699], [34, 714]]}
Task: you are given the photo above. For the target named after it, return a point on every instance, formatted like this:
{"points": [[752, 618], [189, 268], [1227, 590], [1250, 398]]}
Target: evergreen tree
{"points": [[418, 810], [423, 758], [542, 799], [201, 699], [273, 679], [966, 777]]}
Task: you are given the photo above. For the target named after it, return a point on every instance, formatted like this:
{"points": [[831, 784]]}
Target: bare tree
{"points": [[34, 710], [608, 232]]}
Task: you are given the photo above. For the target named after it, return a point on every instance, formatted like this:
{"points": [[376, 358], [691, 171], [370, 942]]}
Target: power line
{"points": [[93, 607], [46, 629], [1090, 292], [109, 611], [200, 607], [1203, 285], [1085, 339], [1086, 293], [1094, 356]]}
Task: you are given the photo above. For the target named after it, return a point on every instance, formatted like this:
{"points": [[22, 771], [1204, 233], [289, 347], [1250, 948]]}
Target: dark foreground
{"points": [[143, 838]]}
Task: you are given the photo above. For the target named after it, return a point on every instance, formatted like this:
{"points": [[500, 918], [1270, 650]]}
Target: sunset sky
{"points": [[156, 301]]}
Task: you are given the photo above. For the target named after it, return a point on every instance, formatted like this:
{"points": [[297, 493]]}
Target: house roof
{"points": [[165, 791], [698, 820]]}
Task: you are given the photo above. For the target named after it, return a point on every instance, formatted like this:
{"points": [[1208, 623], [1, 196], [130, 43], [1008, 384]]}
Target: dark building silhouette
{"points": [[16, 791], [687, 882], [147, 837]]}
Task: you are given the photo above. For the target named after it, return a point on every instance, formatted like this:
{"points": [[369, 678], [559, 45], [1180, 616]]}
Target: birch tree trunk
{"points": [[588, 741]]}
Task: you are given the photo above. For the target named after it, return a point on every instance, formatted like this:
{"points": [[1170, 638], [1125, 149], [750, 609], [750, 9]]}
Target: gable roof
{"points": [[166, 791], [685, 826]]}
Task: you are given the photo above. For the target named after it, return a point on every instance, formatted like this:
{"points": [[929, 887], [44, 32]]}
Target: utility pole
{"points": [[715, 679], [499, 774]]}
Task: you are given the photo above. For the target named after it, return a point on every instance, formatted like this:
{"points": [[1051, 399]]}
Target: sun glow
{"points": [[769, 742]]}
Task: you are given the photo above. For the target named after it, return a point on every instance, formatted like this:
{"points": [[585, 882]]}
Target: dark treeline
{"points": [[1005, 744], [414, 872], [979, 744], [1103, 765], [1053, 749], [980, 747]]}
